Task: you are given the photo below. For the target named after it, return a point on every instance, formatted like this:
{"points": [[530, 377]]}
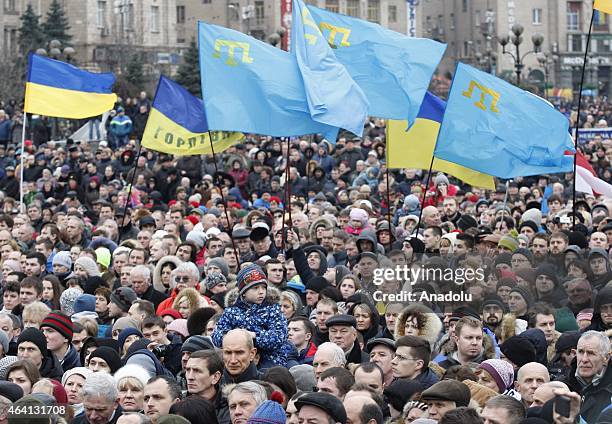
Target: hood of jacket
{"points": [[157, 283], [159, 368], [430, 325]]}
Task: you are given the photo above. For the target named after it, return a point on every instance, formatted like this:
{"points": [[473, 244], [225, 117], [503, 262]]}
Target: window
{"points": [[101, 14], [573, 16], [260, 12], [428, 24], [180, 14], [464, 6], [466, 49], [574, 43], [374, 11], [130, 17], [154, 18], [452, 21], [536, 16], [477, 19], [352, 8], [9, 5], [206, 1], [392, 14], [332, 6]]}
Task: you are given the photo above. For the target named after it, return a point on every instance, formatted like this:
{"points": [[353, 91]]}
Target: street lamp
{"points": [[517, 39], [546, 60], [56, 51]]}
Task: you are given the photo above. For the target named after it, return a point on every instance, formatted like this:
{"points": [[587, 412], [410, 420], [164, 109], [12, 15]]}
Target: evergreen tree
{"points": [[56, 25], [31, 35], [134, 72], [188, 74]]}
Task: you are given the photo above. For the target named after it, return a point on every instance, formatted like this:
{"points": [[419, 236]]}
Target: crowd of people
{"points": [[146, 288]]}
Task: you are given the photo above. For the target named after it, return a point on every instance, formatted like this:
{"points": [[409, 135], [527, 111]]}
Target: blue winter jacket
{"points": [[266, 321], [121, 125]]}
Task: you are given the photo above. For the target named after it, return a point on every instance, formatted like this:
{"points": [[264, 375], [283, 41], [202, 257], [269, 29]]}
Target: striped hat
{"points": [[250, 276], [60, 323]]}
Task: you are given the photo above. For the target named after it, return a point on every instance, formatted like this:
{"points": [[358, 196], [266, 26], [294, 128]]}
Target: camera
{"points": [[161, 350]]}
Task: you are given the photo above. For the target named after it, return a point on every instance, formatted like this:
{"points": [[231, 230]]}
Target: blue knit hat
{"points": [[85, 302], [127, 332], [269, 412], [249, 277]]}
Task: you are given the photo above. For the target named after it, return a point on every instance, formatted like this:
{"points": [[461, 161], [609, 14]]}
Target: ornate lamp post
{"points": [[517, 40]]}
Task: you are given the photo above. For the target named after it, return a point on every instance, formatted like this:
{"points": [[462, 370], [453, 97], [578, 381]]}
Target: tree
{"points": [[134, 72], [56, 25], [188, 74], [31, 35]]}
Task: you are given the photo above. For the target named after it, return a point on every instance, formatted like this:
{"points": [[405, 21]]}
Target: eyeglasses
{"points": [[183, 279], [404, 358]]}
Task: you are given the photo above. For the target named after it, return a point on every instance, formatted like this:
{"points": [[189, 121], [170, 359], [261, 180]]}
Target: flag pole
{"points": [[287, 202], [129, 195], [416, 228], [212, 149], [389, 208], [584, 63], [505, 202], [21, 188]]}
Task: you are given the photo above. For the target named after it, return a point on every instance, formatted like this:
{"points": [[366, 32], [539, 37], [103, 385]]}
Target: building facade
{"points": [[106, 33], [261, 18], [473, 30]]}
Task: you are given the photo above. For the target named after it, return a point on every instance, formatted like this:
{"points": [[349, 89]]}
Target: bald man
{"points": [[239, 357], [544, 393], [530, 376], [362, 410]]}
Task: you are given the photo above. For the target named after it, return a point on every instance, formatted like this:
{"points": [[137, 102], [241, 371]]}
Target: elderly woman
{"points": [[131, 380], [73, 381], [185, 275]]}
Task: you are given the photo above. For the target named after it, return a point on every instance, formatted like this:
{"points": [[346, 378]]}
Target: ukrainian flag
{"points": [[177, 124], [58, 89], [414, 148], [604, 6]]}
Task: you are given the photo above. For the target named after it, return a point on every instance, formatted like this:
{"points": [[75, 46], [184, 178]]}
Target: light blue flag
{"points": [[252, 87], [333, 97], [494, 127], [392, 69]]}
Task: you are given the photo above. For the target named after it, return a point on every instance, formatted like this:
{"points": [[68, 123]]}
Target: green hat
{"points": [[565, 320]]}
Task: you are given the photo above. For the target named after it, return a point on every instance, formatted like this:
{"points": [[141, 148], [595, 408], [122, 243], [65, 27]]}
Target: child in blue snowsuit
{"points": [[252, 312]]}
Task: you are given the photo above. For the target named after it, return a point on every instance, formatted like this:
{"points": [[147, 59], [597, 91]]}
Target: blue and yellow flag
{"points": [[496, 128], [603, 6], [333, 97], [177, 124], [392, 69], [253, 87], [414, 148], [55, 88]]}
